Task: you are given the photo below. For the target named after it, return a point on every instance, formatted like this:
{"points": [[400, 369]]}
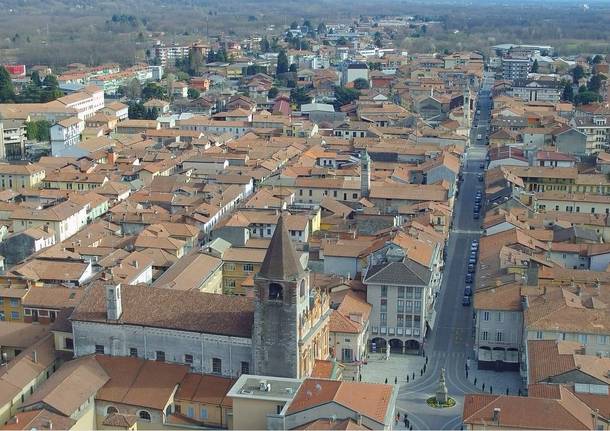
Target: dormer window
{"points": [[276, 292]]}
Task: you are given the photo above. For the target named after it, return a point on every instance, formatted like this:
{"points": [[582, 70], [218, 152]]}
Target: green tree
{"points": [[151, 114], [7, 90], [343, 96], [299, 96], [321, 28], [293, 68], [265, 45], [378, 39], [586, 97], [595, 83], [342, 41], [294, 25], [577, 73], [374, 66], [153, 90], [50, 82], [35, 79], [136, 110], [361, 84], [272, 93], [282, 63], [597, 59], [535, 66], [568, 92], [193, 93], [211, 56], [38, 130]]}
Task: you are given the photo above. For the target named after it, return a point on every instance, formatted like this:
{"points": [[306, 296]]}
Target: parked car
{"points": [[466, 301], [469, 278], [471, 267], [476, 216], [480, 177], [467, 291]]}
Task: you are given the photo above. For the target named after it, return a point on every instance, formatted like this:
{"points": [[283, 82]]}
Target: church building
{"points": [[281, 332]]}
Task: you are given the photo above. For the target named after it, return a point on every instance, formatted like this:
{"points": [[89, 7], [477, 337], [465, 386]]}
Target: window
{"points": [[160, 356], [203, 413], [190, 411], [484, 335], [231, 266], [417, 293], [14, 302], [111, 409], [401, 292], [133, 352], [310, 192], [245, 367], [248, 267], [416, 306], [583, 338], [400, 306], [384, 305], [68, 343], [602, 339], [15, 315], [99, 349], [499, 336], [144, 415], [216, 366], [486, 315], [188, 359], [400, 321], [539, 335], [500, 316], [384, 291], [2, 315], [276, 292]]}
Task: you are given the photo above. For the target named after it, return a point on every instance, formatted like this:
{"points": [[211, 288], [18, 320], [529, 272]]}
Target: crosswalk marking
{"points": [[478, 232]]}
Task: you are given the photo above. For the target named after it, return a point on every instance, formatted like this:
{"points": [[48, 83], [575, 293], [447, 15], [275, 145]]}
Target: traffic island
{"points": [[435, 404]]}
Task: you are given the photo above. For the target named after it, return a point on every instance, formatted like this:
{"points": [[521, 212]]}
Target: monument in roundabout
{"points": [[442, 398]]}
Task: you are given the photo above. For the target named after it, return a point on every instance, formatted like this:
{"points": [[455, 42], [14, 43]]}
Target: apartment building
{"points": [[12, 139], [515, 68]]}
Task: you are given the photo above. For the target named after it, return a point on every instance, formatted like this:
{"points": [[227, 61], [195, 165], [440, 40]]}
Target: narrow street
{"points": [[450, 344]]}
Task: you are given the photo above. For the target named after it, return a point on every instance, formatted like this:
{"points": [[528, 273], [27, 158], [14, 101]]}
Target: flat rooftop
{"points": [[265, 387]]}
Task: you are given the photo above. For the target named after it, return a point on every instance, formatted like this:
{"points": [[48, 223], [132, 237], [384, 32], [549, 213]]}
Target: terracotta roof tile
{"points": [[163, 308]]}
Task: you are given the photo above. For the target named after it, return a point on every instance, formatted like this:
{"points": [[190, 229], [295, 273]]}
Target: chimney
{"points": [[496, 416], [50, 424], [136, 264], [35, 357], [114, 307], [359, 419]]}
